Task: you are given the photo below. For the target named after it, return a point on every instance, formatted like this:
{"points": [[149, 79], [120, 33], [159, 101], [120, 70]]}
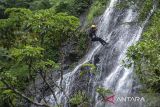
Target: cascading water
{"points": [[120, 29], [120, 79]]}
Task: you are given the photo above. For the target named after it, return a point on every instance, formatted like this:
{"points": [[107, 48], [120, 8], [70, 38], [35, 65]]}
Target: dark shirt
{"points": [[92, 33]]}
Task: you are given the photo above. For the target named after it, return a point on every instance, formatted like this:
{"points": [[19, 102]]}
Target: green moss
{"points": [[88, 69], [89, 65]]}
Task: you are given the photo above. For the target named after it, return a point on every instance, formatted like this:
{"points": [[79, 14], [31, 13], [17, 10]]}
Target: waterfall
{"points": [[120, 79], [121, 30]]}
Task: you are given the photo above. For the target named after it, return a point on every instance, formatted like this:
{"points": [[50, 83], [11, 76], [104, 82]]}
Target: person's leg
{"points": [[94, 39], [102, 41]]}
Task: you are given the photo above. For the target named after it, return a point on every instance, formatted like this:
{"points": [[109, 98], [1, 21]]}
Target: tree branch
{"points": [[22, 95], [53, 93]]}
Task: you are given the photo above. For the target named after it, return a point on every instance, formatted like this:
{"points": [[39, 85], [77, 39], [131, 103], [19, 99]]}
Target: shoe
{"points": [[105, 43]]}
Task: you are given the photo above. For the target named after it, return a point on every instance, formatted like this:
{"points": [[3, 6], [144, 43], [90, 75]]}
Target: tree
{"points": [[27, 38], [29, 4]]}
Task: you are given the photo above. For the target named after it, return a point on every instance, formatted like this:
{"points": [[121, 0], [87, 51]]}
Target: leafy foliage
{"points": [[97, 9], [103, 92], [31, 4], [79, 99], [40, 4], [27, 53], [10, 28], [88, 69], [146, 7], [82, 42], [73, 7], [30, 41], [43, 27]]}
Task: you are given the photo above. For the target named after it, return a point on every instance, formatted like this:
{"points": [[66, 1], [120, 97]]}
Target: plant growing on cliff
{"points": [[103, 92], [88, 69], [79, 99], [96, 9]]}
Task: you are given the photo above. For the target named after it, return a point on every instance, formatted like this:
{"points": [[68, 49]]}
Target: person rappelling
{"points": [[92, 35]]}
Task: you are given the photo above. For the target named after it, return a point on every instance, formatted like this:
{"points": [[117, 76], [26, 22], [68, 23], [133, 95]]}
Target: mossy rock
{"points": [[88, 69]]}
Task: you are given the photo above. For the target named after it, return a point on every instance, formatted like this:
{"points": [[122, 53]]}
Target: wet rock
{"points": [[96, 59], [69, 53], [83, 82]]}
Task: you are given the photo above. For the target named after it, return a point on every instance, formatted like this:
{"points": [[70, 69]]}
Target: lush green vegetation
{"points": [[30, 4], [79, 99], [146, 53], [29, 43], [32, 33], [73, 7], [88, 69], [96, 9], [145, 9]]}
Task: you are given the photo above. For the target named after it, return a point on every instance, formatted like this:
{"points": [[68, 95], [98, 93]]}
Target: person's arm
{"points": [[94, 33]]}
